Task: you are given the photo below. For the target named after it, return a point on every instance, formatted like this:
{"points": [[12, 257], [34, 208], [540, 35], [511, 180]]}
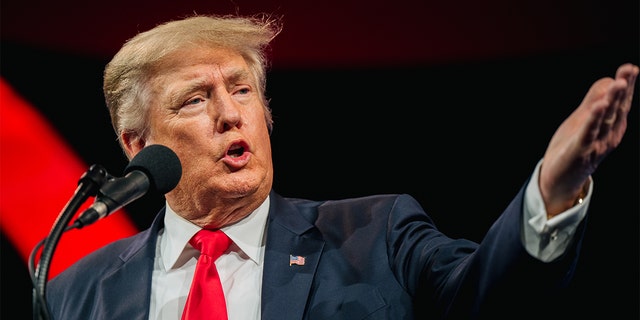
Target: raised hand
{"points": [[585, 138]]}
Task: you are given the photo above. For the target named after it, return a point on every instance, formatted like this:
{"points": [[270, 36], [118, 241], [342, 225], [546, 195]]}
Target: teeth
{"points": [[235, 151]]}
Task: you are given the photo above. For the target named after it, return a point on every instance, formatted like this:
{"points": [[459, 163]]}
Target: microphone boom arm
{"points": [[88, 186]]}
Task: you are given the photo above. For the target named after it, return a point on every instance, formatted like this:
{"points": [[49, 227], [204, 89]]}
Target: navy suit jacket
{"points": [[376, 257]]}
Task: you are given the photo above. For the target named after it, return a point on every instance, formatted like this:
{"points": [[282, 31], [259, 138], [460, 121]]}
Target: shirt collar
{"points": [[177, 232]]}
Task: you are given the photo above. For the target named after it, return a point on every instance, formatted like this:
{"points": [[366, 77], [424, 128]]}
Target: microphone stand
{"points": [[88, 186]]}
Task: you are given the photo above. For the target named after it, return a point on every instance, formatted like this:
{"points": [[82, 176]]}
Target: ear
{"points": [[132, 143]]}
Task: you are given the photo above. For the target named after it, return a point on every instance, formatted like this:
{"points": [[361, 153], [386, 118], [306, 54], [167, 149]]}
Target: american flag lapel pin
{"points": [[297, 260]]}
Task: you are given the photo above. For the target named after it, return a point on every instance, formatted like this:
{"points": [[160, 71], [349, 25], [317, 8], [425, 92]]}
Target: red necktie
{"points": [[206, 298]]}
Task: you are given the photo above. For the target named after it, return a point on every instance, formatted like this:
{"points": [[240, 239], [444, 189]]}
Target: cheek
{"points": [[183, 130], [189, 141], [260, 130], [264, 146], [257, 119]]}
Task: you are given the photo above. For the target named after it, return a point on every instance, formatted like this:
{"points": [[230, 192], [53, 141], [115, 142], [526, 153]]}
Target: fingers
{"points": [[615, 99], [620, 95], [628, 72]]}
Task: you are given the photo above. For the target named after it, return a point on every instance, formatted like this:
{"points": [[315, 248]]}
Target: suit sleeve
{"points": [[464, 279]]}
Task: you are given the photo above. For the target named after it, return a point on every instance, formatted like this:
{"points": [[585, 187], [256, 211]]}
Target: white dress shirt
{"points": [[241, 269]]}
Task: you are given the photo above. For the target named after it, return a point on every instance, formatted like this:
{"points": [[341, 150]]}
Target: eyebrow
{"points": [[236, 75]]}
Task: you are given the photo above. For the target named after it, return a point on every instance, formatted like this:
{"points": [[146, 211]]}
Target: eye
{"points": [[243, 93], [194, 101], [193, 104]]}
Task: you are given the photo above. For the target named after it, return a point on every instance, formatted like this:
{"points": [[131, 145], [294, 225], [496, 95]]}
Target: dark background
{"points": [[452, 103]]}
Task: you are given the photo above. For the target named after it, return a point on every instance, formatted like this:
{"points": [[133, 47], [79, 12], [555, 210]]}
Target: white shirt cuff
{"points": [[548, 239]]}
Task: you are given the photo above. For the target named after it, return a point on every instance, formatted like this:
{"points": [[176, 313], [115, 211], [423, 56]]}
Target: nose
{"points": [[226, 113]]}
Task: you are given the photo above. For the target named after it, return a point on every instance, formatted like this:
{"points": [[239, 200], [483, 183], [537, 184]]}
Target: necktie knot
{"points": [[211, 243]]}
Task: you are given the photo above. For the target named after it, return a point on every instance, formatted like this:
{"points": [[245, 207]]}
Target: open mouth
{"points": [[236, 150]]}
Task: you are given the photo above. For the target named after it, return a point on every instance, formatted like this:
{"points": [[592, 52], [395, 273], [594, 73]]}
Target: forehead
{"points": [[199, 55]]}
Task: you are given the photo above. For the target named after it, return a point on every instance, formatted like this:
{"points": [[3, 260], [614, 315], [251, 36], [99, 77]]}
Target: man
{"points": [[197, 86]]}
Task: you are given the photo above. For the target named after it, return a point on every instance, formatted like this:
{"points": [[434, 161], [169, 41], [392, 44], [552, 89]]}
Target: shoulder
{"points": [[378, 206], [103, 261], [361, 201]]}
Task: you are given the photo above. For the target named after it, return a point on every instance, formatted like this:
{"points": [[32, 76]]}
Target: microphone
{"points": [[155, 167]]}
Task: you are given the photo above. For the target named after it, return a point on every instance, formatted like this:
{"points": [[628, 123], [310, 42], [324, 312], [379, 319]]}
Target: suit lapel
{"points": [[133, 278], [286, 286], [132, 281]]}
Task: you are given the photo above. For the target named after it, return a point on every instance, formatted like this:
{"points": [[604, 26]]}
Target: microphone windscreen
{"points": [[160, 164]]}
